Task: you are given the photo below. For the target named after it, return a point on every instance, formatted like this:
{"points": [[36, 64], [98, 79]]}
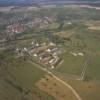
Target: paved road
{"points": [[60, 80]]}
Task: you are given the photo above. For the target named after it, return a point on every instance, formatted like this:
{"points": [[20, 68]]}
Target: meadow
{"points": [[18, 78]]}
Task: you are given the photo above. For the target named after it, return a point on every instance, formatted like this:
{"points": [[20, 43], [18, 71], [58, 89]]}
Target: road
{"points": [[60, 80]]}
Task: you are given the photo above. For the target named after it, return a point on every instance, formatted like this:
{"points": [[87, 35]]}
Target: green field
{"points": [[18, 78], [71, 64], [94, 68]]}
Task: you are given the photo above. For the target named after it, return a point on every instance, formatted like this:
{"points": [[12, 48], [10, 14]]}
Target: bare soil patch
{"points": [[54, 88]]}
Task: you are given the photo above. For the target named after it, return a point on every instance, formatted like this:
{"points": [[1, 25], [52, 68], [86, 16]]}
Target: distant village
{"points": [[11, 30], [21, 27]]}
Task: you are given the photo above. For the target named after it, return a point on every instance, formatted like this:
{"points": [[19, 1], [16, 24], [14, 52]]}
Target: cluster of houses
{"points": [[77, 54], [39, 22], [46, 54], [16, 28], [36, 22]]}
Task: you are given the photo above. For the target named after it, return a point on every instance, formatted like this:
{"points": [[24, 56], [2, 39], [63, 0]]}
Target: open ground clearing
{"points": [[94, 68], [55, 88], [64, 34], [88, 90], [94, 28]]}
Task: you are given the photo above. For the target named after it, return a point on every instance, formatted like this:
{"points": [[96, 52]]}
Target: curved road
{"points": [[60, 80]]}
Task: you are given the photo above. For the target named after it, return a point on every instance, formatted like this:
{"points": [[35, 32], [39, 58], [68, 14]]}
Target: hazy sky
{"points": [[22, 1]]}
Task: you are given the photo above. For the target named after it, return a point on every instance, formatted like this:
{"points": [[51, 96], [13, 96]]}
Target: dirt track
{"points": [[57, 78]]}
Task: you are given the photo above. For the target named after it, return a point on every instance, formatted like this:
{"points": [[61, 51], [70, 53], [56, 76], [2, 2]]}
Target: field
{"points": [[71, 64], [93, 68], [19, 77], [87, 90], [55, 88]]}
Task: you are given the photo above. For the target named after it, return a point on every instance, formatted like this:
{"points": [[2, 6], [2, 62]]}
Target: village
{"points": [[46, 54], [21, 26], [14, 28]]}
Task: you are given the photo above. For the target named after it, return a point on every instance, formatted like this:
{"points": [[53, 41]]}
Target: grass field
{"points": [[55, 88], [71, 64], [18, 78], [87, 90], [94, 68]]}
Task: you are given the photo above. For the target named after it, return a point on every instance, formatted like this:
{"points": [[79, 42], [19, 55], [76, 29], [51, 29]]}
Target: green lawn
{"points": [[71, 64]]}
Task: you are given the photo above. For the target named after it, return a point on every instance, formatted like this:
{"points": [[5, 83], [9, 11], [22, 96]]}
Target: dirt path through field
{"points": [[57, 78]]}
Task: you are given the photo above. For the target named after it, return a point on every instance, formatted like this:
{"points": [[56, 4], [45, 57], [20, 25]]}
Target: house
{"points": [[80, 54], [54, 61], [74, 54]]}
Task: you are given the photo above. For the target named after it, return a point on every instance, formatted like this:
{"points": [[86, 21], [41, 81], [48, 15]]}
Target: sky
{"points": [[38, 1]]}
